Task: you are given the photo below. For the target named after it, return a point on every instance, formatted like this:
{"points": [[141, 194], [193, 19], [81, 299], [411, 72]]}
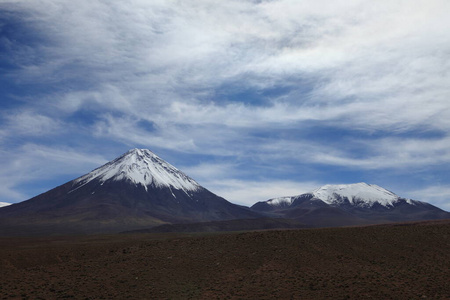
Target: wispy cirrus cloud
{"points": [[32, 163], [172, 59], [351, 85], [29, 123], [249, 192]]}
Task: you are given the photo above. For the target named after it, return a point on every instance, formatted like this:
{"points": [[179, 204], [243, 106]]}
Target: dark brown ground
{"points": [[377, 262]]}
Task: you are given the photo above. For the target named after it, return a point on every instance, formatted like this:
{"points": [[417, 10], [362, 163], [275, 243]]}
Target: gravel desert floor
{"points": [[399, 261]]}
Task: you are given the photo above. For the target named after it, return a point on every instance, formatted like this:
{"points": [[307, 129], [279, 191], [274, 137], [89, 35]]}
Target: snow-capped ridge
{"points": [[2, 204], [357, 194], [140, 166]]}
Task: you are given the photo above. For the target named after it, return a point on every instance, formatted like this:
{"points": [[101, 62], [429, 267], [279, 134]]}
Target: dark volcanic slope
{"points": [[411, 261], [115, 207]]}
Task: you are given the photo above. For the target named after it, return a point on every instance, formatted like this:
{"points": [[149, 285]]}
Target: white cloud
{"points": [[30, 123], [221, 178], [9, 192], [205, 172], [384, 153], [147, 57], [33, 162], [127, 130], [248, 192], [438, 195]]}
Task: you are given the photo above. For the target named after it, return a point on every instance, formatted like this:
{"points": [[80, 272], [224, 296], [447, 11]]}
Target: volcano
{"points": [[136, 190], [349, 204]]}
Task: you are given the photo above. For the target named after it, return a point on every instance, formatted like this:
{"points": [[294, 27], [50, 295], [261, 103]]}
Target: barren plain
{"points": [[397, 261]]}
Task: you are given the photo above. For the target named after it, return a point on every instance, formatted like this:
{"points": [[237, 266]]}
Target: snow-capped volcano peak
{"points": [[358, 194], [141, 166]]}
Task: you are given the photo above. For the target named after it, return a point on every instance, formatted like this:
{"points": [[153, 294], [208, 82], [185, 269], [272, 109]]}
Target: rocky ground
{"points": [[402, 261]]}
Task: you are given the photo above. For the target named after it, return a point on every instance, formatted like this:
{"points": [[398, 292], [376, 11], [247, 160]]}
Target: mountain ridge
{"points": [[139, 190], [349, 204], [357, 194]]}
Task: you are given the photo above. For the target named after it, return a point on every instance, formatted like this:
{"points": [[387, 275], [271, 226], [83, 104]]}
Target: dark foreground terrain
{"points": [[397, 261]]}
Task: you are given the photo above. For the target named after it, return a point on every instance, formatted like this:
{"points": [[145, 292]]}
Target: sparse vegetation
{"points": [[380, 262]]}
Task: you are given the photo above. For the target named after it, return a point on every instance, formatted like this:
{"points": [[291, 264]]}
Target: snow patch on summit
{"points": [[141, 166], [281, 202], [359, 194], [2, 204]]}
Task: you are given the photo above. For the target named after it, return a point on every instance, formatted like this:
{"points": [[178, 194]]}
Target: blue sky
{"points": [[253, 99]]}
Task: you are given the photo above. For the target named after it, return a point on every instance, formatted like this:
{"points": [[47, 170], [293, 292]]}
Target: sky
{"points": [[252, 99]]}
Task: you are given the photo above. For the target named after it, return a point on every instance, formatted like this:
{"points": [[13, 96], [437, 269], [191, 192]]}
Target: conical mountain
{"points": [[140, 167], [136, 190]]}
